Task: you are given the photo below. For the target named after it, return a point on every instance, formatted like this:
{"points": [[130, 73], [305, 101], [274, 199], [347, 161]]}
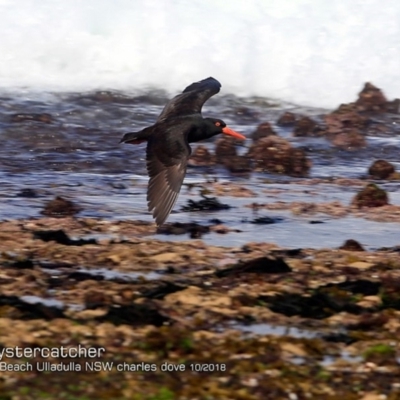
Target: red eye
{"points": [[218, 123]]}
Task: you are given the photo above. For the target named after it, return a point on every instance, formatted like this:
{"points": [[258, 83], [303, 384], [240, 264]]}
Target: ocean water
{"points": [[303, 51]]}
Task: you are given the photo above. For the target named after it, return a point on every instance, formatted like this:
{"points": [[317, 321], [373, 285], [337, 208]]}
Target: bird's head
{"points": [[215, 126]]}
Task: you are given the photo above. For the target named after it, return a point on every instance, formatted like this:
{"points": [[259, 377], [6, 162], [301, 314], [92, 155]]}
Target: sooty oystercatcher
{"points": [[168, 150]]}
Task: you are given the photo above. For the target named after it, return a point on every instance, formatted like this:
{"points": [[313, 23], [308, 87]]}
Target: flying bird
{"points": [[168, 150]]}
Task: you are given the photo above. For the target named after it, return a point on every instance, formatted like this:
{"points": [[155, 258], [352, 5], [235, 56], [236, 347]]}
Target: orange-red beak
{"points": [[231, 132]]}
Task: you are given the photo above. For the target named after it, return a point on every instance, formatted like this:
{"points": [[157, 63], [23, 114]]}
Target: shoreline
{"points": [[340, 309]]}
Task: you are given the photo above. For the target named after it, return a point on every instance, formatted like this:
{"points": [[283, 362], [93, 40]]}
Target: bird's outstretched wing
{"points": [[191, 100], [166, 164]]}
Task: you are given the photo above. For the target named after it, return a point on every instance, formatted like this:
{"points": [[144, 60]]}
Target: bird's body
{"points": [[168, 150]]}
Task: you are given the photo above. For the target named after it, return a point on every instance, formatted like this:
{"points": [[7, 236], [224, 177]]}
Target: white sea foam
{"points": [[309, 52]]}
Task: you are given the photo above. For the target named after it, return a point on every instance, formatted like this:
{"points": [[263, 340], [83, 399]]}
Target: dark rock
{"points": [[108, 96], [275, 154], [163, 290], [287, 119], [246, 113], [226, 154], [221, 229], [263, 265], [28, 310], [263, 221], [345, 116], [225, 148], [381, 169], [298, 253], [324, 301], [201, 157], [345, 127], [371, 99], [22, 117], [390, 292], [338, 337], [206, 204], [351, 245], [177, 228], [24, 263], [95, 299], [28, 193], [393, 106], [370, 321], [350, 139], [371, 196], [359, 286], [135, 315], [305, 126], [80, 276], [263, 130], [215, 221], [60, 207], [238, 164], [59, 236], [117, 185]]}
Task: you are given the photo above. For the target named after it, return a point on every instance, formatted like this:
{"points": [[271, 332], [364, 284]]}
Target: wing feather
{"points": [[166, 178], [191, 100]]}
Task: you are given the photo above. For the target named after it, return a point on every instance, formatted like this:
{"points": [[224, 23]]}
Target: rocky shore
{"points": [[97, 306], [186, 320]]}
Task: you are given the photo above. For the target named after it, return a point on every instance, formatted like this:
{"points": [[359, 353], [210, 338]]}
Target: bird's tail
{"points": [[136, 137]]}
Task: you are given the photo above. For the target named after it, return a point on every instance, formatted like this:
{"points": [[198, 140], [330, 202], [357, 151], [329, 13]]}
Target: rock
{"points": [[108, 96], [373, 396], [166, 257], [371, 196], [221, 229], [370, 302], [351, 245], [201, 157], [226, 154], [275, 154], [246, 113], [264, 265], [305, 126], [350, 139], [345, 116], [95, 299], [264, 220], [286, 119], [195, 296], [381, 169], [361, 265], [27, 193], [45, 118], [263, 130], [238, 164], [60, 207], [345, 127], [293, 349], [371, 99], [225, 148], [393, 106], [177, 228], [146, 313], [59, 236], [206, 204]]}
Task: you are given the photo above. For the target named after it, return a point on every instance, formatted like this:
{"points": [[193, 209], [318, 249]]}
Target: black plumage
{"points": [[168, 150]]}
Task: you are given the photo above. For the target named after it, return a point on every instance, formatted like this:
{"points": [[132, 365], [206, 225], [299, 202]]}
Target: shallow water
{"points": [[77, 156]]}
